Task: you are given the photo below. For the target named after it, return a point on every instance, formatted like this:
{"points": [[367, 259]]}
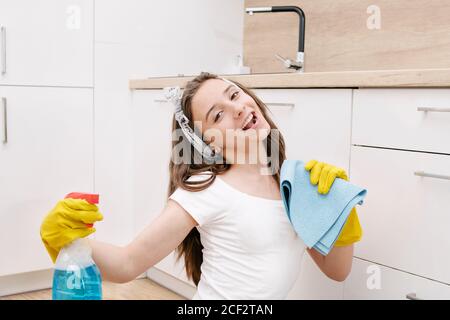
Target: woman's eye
{"points": [[233, 95], [217, 116]]}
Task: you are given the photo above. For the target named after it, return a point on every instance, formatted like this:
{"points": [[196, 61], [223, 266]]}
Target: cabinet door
{"points": [[406, 213], [152, 140], [47, 42], [48, 153], [372, 281], [315, 123]]}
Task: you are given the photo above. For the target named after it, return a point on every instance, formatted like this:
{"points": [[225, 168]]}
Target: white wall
{"points": [[139, 39]]}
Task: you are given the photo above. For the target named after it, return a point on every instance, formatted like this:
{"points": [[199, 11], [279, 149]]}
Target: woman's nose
{"points": [[239, 110]]}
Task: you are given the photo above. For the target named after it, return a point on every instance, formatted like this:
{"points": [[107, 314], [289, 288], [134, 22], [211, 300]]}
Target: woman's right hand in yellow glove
{"points": [[70, 219]]}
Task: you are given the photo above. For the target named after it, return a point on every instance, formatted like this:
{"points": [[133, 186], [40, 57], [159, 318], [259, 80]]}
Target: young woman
{"points": [[226, 217]]}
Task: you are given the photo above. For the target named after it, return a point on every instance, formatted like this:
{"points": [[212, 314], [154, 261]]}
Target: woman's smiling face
{"points": [[224, 110]]}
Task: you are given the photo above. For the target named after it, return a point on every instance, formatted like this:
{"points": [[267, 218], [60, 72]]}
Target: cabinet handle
{"points": [[161, 100], [412, 296], [3, 52], [431, 175], [280, 104], [5, 121], [433, 109]]}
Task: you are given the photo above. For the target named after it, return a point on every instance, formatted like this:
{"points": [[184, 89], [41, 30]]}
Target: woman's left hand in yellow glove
{"points": [[324, 174]]}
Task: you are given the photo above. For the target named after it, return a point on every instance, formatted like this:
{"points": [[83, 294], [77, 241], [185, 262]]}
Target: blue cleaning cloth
{"points": [[318, 219]]}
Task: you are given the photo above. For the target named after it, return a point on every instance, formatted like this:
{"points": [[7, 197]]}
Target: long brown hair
{"points": [[191, 247]]}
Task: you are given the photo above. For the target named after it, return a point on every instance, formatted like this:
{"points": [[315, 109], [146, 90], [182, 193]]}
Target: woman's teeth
{"points": [[251, 119]]}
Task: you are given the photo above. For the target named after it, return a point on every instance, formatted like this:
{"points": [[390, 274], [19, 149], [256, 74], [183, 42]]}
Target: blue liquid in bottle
{"points": [[76, 277]]}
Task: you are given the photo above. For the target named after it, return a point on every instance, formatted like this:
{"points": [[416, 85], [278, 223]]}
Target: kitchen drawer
{"points": [[405, 217], [315, 123], [390, 118], [371, 281]]}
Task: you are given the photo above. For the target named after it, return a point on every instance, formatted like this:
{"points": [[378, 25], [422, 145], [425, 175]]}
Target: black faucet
{"points": [[299, 62]]}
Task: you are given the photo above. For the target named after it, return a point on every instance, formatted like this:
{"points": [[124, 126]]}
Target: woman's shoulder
{"points": [[204, 201]]}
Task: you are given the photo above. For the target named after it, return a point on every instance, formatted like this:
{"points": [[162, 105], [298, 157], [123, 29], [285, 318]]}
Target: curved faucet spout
{"points": [[301, 33]]}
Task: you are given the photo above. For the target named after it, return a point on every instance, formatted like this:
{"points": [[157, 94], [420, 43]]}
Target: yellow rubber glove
{"points": [[324, 174], [351, 232], [70, 219]]}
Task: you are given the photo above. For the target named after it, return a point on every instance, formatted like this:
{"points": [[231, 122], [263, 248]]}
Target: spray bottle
{"points": [[76, 276]]}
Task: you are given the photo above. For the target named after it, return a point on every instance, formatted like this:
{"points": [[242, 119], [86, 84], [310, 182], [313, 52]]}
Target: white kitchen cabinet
{"points": [[152, 123], [397, 118], [48, 153], [47, 42], [315, 123], [313, 284], [399, 153], [371, 281], [406, 213]]}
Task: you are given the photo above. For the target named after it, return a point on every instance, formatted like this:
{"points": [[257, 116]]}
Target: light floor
{"points": [[140, 289]]}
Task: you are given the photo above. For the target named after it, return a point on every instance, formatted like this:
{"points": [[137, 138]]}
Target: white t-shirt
{"points": [[250, 249]]}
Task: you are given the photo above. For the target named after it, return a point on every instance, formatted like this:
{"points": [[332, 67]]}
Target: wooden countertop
{"points": [[346, 79]]}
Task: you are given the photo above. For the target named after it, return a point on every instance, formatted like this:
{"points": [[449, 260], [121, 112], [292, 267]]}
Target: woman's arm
{"points": [[156, 241], [337, 264]]}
